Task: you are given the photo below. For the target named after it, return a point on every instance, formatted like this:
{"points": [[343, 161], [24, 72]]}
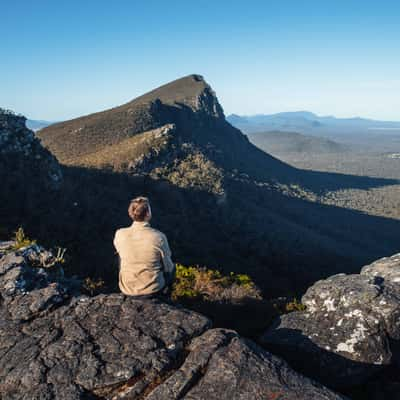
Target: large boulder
{"points": [[58, 344], [350, 328]]}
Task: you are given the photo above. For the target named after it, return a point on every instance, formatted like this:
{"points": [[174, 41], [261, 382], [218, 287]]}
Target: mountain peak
{"points": [[188, 102], [191, 91]]}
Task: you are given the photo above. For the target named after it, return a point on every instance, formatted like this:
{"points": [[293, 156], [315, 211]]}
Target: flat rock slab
{"points": [[350, 329], [93, 343]]}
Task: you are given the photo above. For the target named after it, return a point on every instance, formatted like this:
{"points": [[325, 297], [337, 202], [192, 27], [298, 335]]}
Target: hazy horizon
{"points": [[72, 59], [249, 116]]}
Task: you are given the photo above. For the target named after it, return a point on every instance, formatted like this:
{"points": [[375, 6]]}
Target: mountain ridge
{"points": [[189, 103], [309, 123], [36, 124]]}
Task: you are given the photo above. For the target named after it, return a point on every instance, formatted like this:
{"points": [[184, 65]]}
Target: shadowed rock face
{"points": [[23, 160], [351, 327], [57, 344], [28, 172]]}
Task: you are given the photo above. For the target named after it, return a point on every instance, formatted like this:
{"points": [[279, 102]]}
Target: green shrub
{"points": [[289, 306], [231, 301], [295, 305], [209, 284], [92, 286], [21, 240]]}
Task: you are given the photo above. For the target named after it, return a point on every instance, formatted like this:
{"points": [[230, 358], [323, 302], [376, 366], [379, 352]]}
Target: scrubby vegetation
{"points": [[211, 285], [287, 142], [379, 201], [21, 240], [93, 286], [289, 305], [230, 300], [194, 171], [127, 154]]}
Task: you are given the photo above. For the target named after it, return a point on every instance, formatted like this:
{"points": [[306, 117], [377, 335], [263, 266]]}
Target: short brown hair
{"points": [[138, 208]]}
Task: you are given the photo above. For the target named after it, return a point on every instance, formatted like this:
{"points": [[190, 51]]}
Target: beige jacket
{"points": [[145, 259]]}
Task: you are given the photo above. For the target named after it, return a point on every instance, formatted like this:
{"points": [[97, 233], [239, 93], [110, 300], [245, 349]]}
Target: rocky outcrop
{"points": [[22, 155], [350, 329], [58, 344], [221, 365], [29, 174]]}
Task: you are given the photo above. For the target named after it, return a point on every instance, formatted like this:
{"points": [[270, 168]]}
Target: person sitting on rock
{"points": [[146, 268]]}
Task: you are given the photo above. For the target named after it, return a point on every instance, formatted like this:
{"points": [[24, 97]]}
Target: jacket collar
{"points": [[139, 224]]}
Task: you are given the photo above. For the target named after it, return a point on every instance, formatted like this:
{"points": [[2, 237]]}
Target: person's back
{"points": [[146, 267]]}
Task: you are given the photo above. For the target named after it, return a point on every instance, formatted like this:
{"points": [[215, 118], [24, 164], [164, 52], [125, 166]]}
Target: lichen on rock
{"points": [[350, 326]]}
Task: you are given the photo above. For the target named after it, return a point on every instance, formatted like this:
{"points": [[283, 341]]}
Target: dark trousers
{"points": [[163, 295]]}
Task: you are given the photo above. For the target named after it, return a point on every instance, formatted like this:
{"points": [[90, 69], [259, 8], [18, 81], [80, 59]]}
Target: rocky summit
{"points": [[56, 343], [350, 329]]}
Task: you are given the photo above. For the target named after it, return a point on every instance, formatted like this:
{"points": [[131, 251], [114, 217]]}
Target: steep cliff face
{"points": [[58, 344], [27, 170]]}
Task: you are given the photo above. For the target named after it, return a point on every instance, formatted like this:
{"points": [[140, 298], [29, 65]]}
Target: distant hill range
{"points": [[36, 125], [222, 201], [310, 123], [277, 142]]}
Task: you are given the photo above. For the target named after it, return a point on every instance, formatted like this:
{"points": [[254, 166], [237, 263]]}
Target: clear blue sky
{"points": [[63, 59]]}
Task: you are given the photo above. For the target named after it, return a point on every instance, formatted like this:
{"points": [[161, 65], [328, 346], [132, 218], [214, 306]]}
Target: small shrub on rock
{"points": [[92, 286], [287, 306], [21, 240], [209, 284], [231, 301]]}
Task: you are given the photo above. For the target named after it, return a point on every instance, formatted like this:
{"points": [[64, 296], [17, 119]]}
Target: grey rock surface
{"points": [[350, 329], [222, 365], [58, 344], [387, 268]]}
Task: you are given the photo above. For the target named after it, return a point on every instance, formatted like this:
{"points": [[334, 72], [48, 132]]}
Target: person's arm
{"points": [[169, 266], [116, 241], [116, 244]]}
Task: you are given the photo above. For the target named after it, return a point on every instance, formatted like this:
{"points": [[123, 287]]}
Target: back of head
{"points": [[139, 208]]}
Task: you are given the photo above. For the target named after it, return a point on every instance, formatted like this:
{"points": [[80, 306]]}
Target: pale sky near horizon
{"points": [[342, 58]]}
